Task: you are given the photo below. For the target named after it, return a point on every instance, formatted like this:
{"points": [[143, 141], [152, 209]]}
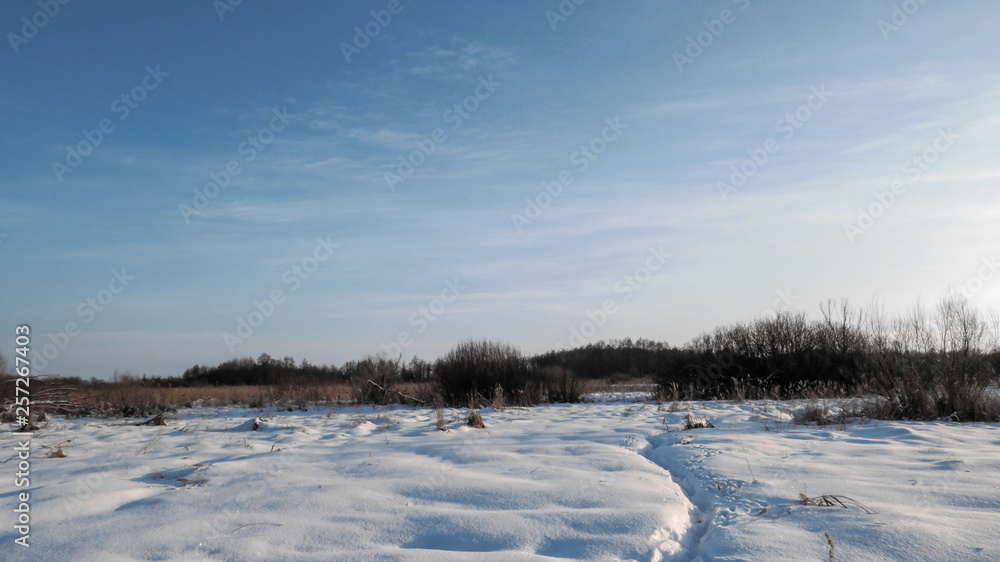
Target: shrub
{"points": [[475, 420], [814, 413], [476, 370], [374, 381], [932, 386], [560, 384]]}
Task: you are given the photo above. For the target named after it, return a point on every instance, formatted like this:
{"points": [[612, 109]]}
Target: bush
{"points": [[932, 386], [475, 420], [374, 380], [560, 385], [474, 370]]}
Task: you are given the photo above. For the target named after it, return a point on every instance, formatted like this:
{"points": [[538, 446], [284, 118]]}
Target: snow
{"points": [[617, 396], [602, 481]]}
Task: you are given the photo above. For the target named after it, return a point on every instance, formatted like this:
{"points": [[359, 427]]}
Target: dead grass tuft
{"points": [[499, 403], [833, 501], [475, 420], [814, 413], [440, 421], [691, 422]]}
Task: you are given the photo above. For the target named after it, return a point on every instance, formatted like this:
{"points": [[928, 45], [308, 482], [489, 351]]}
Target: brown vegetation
{"points": [[923, 365]]}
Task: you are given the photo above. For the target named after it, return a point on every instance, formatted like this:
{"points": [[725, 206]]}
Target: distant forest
{"points": [[924, 364], [848, 347]]}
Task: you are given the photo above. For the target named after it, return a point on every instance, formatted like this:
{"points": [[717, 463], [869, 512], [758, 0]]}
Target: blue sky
{"points": [[644, 111]]}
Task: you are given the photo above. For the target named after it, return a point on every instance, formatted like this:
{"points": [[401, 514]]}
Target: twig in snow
{"points": [[252, 524]]}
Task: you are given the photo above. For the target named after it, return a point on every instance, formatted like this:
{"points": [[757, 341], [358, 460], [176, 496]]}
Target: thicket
{"points": [[266, 370], [478, 371], [923, 364]]}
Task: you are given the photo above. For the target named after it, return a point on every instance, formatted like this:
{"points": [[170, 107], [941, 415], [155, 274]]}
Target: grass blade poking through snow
{"points": [[745, 456]]}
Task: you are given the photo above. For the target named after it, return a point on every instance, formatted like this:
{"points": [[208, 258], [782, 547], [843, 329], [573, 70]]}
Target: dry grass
{"points": [[833, 501], [499, 403], [133, 400], [440, 421], [691, 422], [609, 385], [158, 419], [814, 413], [927, 389], [475, 420]]}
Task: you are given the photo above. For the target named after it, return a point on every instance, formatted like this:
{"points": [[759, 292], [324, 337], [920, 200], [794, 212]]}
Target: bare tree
{"points": [[992, 342], [915, 332], [876, 325], [842, 326], [962, 328]]}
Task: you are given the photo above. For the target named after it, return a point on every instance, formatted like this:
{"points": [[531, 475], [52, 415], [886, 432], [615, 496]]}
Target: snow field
{"points": [[598, 481]]}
